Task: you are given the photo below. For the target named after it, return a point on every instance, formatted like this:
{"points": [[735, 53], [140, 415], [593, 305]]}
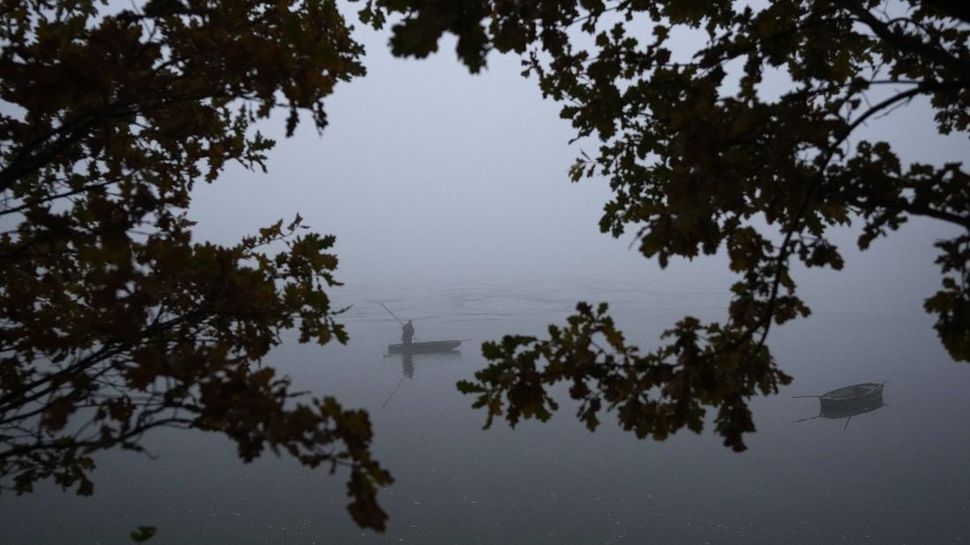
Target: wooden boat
{"points": [[427, 347], [851, 396], [851, 400]]}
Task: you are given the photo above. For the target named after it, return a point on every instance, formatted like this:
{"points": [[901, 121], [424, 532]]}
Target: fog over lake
{"points": [[450, 200], [894, 475]]}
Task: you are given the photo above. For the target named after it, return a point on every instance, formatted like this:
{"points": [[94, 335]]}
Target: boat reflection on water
{"points": [[408, 360], [849, 401], [407, 365]]}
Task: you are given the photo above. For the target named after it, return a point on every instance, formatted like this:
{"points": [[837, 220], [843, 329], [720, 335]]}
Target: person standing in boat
{"points": [[407, 333]]}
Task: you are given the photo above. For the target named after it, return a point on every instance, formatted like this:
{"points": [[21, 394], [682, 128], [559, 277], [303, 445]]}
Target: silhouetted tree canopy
{"points": [[112, 320], [700, 159]]}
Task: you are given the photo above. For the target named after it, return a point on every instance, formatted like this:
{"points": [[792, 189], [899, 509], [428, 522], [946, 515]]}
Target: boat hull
{"points": [[429, 347], [856, 399]]}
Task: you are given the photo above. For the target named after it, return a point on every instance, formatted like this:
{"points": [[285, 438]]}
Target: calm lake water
{"points": [[895, 475]]}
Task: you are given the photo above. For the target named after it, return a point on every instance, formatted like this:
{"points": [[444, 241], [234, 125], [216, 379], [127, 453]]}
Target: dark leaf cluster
{"points": [[703, 157], [653, 394], [113, 321]]}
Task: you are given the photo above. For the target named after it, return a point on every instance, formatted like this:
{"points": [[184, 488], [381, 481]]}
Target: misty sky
{"points": [[429, 174]]}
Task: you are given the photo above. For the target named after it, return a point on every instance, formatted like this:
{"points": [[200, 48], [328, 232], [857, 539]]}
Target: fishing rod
{"points": [[395, 317], [392, 314]]}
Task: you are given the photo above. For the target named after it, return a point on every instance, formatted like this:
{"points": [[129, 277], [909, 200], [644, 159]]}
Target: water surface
{"points": [[895, 475]]}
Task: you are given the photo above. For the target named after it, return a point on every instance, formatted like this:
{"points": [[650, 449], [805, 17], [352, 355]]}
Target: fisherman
{"points": [[407, 333]]}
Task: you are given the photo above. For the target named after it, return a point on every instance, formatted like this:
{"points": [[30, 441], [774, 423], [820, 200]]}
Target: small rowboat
{"points": [[850, 395], [849, 401], [855, 399], [428, 347]]}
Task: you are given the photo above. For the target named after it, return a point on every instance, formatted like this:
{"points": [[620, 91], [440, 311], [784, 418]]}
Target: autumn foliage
{"points": [[702, 160], [114, 321]]}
